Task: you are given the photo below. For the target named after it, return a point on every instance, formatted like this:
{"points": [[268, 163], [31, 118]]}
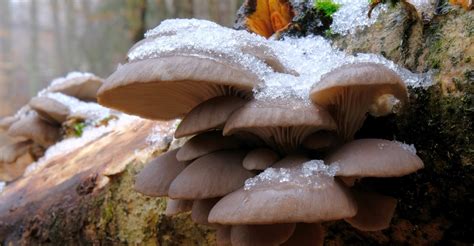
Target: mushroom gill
{"points": [[282, 125], [170, 87], [206, 143], [351, 91]]}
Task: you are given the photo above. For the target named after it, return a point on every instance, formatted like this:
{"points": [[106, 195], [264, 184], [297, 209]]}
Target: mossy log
{"points": [[86, 197]]}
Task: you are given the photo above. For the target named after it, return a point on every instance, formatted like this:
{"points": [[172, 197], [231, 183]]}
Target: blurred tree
{"points": [[136, 18]]}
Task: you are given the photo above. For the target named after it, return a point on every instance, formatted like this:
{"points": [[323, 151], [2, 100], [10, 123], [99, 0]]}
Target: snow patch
{"points": [[353, 16]]}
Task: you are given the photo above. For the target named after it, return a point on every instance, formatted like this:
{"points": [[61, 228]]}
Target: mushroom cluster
{"points": [[39, 124], [261, 170]]}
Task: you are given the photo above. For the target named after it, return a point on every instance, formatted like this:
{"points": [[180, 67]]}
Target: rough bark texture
{"points": [[94, 204]]}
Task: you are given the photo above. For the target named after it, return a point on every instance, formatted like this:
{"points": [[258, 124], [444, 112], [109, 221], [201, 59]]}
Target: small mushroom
{"points": [[213, 175], [156, 177], [169, 87], [204, 144], [275, 234], [260, 159], [374, 158], [49, 109], [306, 235], [290, 161], [81, 86], [11, 152], [286, 195], [16, 169], [6, 122], [209, 115], [282, 125], [174, 207], [201, 209], [34, 128], [353, 90], [375, 211]]}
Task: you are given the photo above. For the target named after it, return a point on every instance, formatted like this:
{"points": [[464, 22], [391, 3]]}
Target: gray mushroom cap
{"points": [[286, 195], [260, 159], [34, 128], [6, 122], [83, 87], [375, 158], [351, 91], [375, 211], [212, 175], [206, 143], [157, 176], [264, 235], [170, 87], [11, 152], [209, 115], [49, 109]]}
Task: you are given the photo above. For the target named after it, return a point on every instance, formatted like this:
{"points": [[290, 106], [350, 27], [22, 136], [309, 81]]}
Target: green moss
{"points": [[327, 7], [79, 128]]}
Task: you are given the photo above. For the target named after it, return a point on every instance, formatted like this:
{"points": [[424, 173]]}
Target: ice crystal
{"points": [[408, 147], [69, 76], [161, 135], [352, 16], [313, 174]]}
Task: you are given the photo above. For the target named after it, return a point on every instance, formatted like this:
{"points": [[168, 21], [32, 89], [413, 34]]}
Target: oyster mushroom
{"points": [[282, 125], [15, 169], [49, 109], [34, 128], [320, 140], [211, 114], [156, 177], [169, 87], [260, 159], [212, 175], [374, 212], [201, 209], [351, 91], [286, 195], [11, 152], [374, 158], [6, 122], [274, 234], [79, 85], [204, 144]]}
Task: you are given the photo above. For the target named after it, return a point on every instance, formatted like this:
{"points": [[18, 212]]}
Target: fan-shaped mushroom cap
{"points": [[174, 207], [375, 158], [50, 109], [320, 140], [204, 144], [169, 87], [307, 193], [11, 152], [156, 177], [351, 91], [17, 168], [201, 209], [290, 161], [6, 122], [260, 159], [83, 86], [209, 115], [34, 128], [261, 235], [212, 175], [281, 124], [306, 235], [375, 211]]}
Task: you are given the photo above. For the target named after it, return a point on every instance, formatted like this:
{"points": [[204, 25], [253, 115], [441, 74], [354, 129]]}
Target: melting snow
{"points": [[353, 16], [2, 186], [408, 147], [308, 58], [312, 173], [161, 135]]}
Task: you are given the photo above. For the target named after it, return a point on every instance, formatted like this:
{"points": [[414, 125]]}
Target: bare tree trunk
{"points": [[170, 8], [58, 40], [33, 62], [5, 56], [184, 8]]}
